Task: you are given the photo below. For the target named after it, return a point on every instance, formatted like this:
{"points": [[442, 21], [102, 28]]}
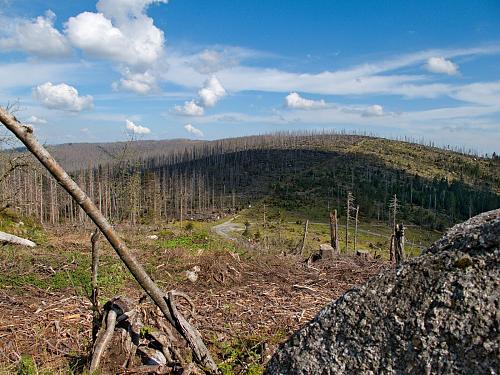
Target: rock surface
{"points": [[435, 314]]}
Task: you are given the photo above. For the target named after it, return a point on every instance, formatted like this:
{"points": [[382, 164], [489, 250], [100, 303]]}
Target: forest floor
{"points": [[249, 296]]}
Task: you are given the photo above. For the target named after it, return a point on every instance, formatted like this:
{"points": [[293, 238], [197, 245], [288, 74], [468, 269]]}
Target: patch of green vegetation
{"points": [[241, 356], [27, 366], [198, 238], [11, 222], [284, 232], [146, 330], [56, 271]]}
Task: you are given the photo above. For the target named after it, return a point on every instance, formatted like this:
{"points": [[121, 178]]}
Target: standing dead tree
{"points": [[399, 243], [334, 232], [349, 206], [192, 336], [356, 229], [393, 205]]}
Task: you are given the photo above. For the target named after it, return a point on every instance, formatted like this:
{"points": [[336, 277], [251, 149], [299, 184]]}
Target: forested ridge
{"points": [[308, 173]]}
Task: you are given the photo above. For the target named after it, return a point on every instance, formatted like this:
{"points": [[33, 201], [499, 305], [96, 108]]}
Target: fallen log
{"points": [[10, 238]]}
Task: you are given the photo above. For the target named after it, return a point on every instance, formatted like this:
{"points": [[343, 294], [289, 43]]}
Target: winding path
{"points": [[227, 227]]}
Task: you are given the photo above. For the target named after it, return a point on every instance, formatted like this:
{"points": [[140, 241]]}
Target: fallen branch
{"points": [[183, 326], [25, 135], [297, 286], [103, 340], [10, 238]]}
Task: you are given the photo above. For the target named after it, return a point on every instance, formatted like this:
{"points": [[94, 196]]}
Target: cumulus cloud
{"points": [[136, 129], [191, 129], [211, 92], [62, 96], [121, 31], [137, 43], [140, 83], [295, 101], [36, 120], [373, 110], [441, 65], [37, 37], [190, 108]]}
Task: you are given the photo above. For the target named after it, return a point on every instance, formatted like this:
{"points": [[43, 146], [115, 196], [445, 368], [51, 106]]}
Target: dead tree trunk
{"points": [[399, 243], [356, 229], [334, 232], [10, 238], [25, 135], [306, 226], [350, 200], [391, 249]]}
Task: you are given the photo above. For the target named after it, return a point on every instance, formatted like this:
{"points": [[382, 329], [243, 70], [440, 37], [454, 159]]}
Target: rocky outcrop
{"points": [[435, 314]]}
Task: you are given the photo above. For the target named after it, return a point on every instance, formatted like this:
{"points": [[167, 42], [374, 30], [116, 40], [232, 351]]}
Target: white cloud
{"points": [[62, 96], [122, 32], [363, 79], [140, 83], [211, 92], [123, 10], [190, 108], [136, 129], [441, 65], [36, 120], [191, 129], [484, 93], [374, 110], [137, 43], [295, 101], [37, 37], [210, 61]]}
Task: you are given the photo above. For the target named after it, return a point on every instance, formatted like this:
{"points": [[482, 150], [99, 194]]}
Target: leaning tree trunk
{"points": [[25, 135]]}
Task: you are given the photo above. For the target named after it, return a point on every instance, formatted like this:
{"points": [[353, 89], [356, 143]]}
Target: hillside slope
{"points": [[307, 174]]}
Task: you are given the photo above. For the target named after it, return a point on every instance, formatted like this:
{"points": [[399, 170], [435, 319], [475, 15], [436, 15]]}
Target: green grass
{"points": [[12, 223], [56, 271], [285, 230]]}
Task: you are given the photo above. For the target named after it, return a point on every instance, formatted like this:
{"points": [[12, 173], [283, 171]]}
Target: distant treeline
{"points": [[293, 170]]}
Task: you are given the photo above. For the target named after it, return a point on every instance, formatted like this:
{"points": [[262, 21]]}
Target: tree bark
{"points": [[25, 135], [334, 233], [356, 229], [10, 238], [95, 288], [399, 243]]}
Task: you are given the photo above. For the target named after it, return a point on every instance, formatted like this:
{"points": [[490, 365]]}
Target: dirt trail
{"points": [[227, 227]]}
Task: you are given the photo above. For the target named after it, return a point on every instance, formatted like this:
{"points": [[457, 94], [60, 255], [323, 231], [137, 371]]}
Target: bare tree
{"points": [[349, 206], [393, 206], [399, 243], [334, 231], [356, 229]]}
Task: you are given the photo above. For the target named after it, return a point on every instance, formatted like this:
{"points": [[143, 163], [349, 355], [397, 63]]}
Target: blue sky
{"points": [[87, 71]]}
